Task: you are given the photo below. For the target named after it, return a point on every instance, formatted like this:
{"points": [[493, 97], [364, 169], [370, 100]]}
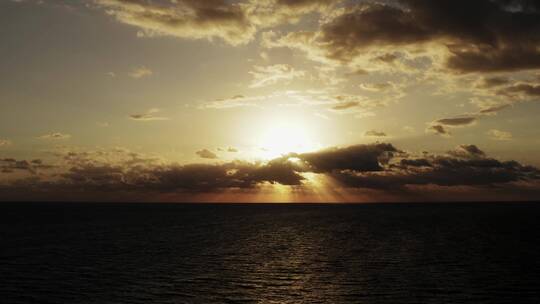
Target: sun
{"points": [[283, 137]]}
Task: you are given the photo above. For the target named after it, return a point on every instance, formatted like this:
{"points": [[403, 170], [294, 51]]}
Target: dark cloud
{"points": [[465, 166], [467, 151], [444, 172], [477, 36], [373, 133], [304, 2], [438, 129], [280, 171], [205, 153], [387, 58], [442, 126], [356, 158], [88, 174], [456, 121], [419, 162], [483, 35], [378, 166], [493, 109], [10, 165], [370, 25], [490, 82], [521, 90]]}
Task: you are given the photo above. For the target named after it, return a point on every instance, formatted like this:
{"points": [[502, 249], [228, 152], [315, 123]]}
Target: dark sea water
{"points": [[377, 253]]}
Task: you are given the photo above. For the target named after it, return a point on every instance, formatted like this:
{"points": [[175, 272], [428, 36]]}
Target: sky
{"points": [[269, 100]]}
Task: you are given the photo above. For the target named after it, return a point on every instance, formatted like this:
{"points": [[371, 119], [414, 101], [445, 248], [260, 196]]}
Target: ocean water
{"points": [[182, 253]]}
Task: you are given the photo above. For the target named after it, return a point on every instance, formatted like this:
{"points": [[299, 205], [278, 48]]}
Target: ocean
{"points": [[290, 253]]}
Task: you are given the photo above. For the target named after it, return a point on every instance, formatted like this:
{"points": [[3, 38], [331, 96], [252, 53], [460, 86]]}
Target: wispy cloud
{"points": [[345, 105], [5, 142], [151, 115], [141, 72], [55, 136], [499, 135], [272, 74]]}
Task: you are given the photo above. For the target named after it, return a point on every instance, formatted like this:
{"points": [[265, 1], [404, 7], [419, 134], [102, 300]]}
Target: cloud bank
{"points": [[379, 167]]}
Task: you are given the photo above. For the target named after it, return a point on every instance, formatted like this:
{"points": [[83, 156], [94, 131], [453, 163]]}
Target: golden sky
{"points": [[269, 100]]}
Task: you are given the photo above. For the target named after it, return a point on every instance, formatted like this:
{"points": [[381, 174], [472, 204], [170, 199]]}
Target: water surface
{"points": [[182, 253]]}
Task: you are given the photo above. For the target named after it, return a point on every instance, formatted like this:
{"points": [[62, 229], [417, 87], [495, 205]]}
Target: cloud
{"points": [[345, 105], [465, 166], [377, 87], [499, 135], [235, 22], [184, 18], [119, 171], [388, 58], [378, 166], [467, 152], [442, 126], [373, 133], [480, 36], [11, 165], [438, 129], [140, 72], [205, 153], [232, 150], [358, 105], [358, 72], [356, 158], [5, 142], [497, 93], [148, 116], [233, 102], [55, 136], [456, 121], [272, 74], [490, 82], [521, 91], [493, 109]]}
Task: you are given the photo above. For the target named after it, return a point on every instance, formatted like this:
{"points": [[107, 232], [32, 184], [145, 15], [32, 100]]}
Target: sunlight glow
{"points": [[283, 138]]}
